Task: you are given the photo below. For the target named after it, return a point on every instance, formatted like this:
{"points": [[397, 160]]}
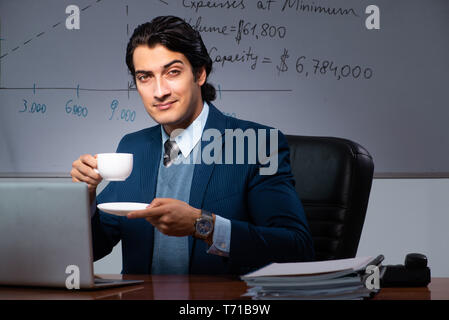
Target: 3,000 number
{"points": [[35, 107]]}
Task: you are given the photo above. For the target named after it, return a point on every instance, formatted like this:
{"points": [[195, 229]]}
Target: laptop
{"points": [[45, 236]]}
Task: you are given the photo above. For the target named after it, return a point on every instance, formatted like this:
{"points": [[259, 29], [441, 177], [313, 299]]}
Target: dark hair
{"points": [[176, 35]]}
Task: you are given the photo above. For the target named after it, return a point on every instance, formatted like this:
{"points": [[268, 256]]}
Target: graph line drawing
{"points": [[2, 56], [77, 88], [130, 87]]}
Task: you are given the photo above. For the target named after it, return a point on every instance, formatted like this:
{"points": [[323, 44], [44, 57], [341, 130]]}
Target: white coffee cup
{"points": [[114, 166]]}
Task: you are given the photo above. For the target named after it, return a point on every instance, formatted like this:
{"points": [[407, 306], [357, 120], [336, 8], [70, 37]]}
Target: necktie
{"points": [[171, 151]]}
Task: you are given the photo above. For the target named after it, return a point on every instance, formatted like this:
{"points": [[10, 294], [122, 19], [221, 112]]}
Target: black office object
{"points": [[415, 261], [377, 260], [333, 180], [414, 273]]}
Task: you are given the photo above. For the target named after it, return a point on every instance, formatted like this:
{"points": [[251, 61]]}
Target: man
{"points": [[204, 218]]}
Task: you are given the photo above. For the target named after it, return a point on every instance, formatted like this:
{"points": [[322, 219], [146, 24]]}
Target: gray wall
{"points": [[399, 114]]}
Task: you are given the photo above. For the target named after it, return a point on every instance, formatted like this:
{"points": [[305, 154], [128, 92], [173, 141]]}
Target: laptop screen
{"points": [[44, 228]]}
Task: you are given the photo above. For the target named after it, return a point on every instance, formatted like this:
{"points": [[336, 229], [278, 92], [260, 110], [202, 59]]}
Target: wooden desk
{"points": [[196, 287]]}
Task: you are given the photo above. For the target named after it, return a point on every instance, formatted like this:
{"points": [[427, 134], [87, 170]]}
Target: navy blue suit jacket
{"points": [[268, 223]]}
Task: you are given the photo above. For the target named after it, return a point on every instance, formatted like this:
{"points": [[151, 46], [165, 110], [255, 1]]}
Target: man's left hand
{"points": [[170, 216]]}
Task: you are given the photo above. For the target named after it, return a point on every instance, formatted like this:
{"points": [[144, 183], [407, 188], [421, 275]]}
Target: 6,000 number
{"points": [[79, 111]]}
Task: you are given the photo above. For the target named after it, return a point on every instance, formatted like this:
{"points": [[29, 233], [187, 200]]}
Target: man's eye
{"points": [[174, 72], [142, 78]]}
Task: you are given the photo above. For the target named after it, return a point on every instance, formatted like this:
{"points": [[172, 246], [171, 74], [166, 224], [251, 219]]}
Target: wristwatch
{"points": [[204, 225]]}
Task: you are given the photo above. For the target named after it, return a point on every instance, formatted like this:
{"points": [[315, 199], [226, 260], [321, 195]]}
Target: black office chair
{"points": [[333, 180]]}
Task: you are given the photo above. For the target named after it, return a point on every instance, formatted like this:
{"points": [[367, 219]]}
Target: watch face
{"points": [[204, 227]]}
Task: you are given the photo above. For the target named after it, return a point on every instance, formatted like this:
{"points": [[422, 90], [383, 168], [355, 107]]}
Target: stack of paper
{"points": [[332, 279]]}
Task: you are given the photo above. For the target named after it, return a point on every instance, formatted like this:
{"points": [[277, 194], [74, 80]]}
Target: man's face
{"points": [[169, 91]]}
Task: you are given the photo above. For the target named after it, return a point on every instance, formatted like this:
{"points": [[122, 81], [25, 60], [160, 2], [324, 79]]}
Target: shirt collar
{"points": [[189, 137]]}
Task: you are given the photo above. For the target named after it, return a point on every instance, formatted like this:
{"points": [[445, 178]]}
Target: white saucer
{"points": [[121, 208]]}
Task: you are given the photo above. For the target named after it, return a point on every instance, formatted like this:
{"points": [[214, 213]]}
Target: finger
{"points": [[87, 171], [80, 173], [75, 174], [156, 202], [89, 181], [89, 163], [89, 160], [146, 213], [153, 212]]}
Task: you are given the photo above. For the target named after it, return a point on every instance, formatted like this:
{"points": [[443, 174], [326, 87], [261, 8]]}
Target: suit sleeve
{"points": [[106, 227], [278, 229]]}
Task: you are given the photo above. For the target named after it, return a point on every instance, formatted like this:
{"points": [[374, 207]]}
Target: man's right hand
{"points": [[83, 171]]}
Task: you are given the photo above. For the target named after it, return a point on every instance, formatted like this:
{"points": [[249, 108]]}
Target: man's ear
{"points": [[201, 75]]}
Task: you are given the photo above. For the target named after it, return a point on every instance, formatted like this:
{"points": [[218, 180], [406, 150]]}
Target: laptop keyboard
{"points": [[100, 281]]}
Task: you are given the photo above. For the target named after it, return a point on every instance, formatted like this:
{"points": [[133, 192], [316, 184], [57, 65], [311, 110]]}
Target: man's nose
{"points": [[161, 89]]}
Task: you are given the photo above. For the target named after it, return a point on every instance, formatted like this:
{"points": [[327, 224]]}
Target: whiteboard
{"points": [[305, 67]]}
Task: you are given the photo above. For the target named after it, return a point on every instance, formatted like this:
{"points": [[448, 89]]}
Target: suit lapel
{"points": [[149, 171], [202, 171], [150, 165]]}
